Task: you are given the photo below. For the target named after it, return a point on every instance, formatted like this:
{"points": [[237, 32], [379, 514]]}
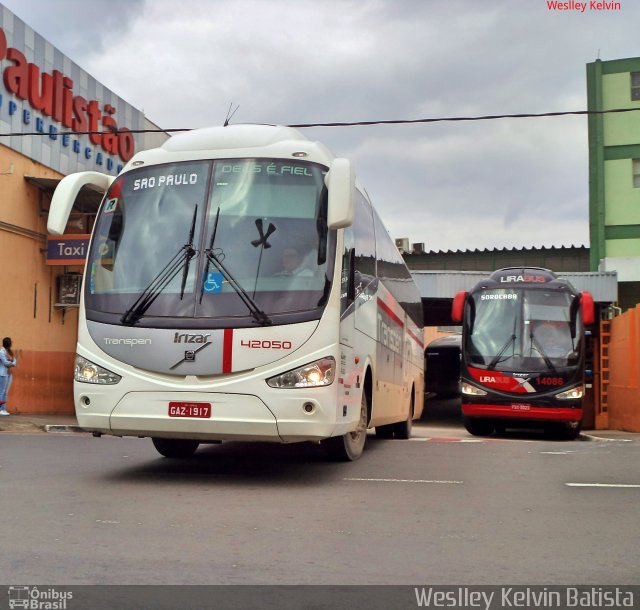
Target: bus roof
{"points": [[236, 141], [514, 277]]}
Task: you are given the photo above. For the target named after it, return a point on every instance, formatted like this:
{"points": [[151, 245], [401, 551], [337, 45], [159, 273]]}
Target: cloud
{"points": [[510, 173], [79, 28], [451, 185]]}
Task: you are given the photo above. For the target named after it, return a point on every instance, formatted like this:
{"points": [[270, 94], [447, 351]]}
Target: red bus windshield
{"points": [[520, 329]]}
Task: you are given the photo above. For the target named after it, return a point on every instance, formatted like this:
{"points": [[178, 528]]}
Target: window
{"points": [[259, 228], [635, 86], [365, 242], [636, 173]]}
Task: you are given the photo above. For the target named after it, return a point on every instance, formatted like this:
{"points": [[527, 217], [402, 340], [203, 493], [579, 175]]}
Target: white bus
{"points": [[240, 286]]}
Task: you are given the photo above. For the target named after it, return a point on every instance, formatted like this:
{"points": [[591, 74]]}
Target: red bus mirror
{"points": [[458, 306], [587, 308]]}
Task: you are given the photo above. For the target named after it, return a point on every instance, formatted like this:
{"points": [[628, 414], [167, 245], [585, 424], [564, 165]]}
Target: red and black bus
{"points": [[523, 351]]}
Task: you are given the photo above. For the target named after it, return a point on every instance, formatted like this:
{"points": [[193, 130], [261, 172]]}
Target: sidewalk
{"points": [[43, 422], [450, 429], [453, 429]]}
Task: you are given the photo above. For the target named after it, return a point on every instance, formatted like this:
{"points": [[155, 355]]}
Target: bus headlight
{"points": [[312, 375], [572, 394], [471, 390], [86, 371]]}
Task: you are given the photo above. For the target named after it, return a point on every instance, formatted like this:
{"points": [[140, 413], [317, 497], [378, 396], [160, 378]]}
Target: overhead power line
{"points": [[489, 117]]}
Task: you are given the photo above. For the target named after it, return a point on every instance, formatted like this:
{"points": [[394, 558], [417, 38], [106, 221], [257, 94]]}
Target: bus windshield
{"points": [[521, 330], [217, 240]]}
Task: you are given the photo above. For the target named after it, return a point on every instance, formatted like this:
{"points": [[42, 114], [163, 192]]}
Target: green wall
{"points": [[621, 128], [614, 141]]}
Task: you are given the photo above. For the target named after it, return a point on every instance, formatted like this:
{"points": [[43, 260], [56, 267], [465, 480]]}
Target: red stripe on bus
{"points": [[392, 314], [415, 338], [227, 350], [522, 411]]}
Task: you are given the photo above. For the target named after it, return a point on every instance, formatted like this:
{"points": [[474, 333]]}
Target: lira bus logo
{"points": [[535, 279], [492, 379]]}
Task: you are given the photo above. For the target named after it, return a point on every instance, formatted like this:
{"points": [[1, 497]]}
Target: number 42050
{"points": [[266, 344]]}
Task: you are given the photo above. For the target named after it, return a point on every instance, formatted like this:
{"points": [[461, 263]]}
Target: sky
{"points": [[511, 183]]}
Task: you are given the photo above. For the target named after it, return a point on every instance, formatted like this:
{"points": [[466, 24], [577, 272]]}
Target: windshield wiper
{"points": [[510, 341], [181, 260], [189, 253], [258, 314], [210, 249], [535, 344], [495, 361]]}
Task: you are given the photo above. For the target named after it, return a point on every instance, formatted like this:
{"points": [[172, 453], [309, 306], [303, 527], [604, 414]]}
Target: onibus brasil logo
{"points": [[38, 598]]}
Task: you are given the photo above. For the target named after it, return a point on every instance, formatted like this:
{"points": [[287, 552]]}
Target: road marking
{"points": [[405, 481], [556, 452], [622, 485], [444, 439]]}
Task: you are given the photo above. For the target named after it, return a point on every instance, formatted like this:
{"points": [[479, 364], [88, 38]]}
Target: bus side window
{"points": [[347, 283], [364, 242]]}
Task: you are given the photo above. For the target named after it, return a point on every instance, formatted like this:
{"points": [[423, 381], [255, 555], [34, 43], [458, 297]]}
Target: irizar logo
{"points": [[190, 354], [190, 338]]}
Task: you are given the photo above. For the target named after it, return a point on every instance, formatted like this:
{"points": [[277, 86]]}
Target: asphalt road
{"points": [[81, 510]]}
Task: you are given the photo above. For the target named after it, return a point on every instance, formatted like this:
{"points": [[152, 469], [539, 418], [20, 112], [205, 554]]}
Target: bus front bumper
{"points": [[241, 417], [523, 412]]}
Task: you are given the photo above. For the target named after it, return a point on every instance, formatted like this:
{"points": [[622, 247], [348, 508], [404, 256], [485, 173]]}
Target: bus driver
{"points": [[292, 263]]}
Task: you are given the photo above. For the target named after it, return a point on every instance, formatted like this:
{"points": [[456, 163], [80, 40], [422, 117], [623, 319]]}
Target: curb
{"points": [[590, 437], [62, 428]]}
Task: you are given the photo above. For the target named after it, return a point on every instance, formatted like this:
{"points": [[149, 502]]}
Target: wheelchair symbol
{"points": [[213, 282]]}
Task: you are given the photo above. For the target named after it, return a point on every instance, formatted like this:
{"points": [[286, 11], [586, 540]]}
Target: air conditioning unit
{"points": [[418, 248], [68, 292], [402, 243]]}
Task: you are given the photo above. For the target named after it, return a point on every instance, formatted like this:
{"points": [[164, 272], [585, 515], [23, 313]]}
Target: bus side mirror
{"points": [[458, 306], [341, 183], [587, 308], [65, 195]]}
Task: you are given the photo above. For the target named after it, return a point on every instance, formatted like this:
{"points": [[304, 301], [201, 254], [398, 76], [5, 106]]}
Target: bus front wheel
{"points": [[478, 426], [349, 447], [175, 447], [572, 431], [568, 431]]}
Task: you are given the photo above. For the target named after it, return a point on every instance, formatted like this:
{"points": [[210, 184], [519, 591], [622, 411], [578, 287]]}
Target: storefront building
{"points": [[55, 119]]}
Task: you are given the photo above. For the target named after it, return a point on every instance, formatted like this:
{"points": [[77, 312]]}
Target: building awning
{"points": [[603, 285], [87, 201]]}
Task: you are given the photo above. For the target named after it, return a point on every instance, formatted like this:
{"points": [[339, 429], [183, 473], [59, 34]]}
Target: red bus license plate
{"points": [[190, 409]]}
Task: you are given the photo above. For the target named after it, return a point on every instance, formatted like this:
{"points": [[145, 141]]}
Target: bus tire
{"points": [[565, 431], [478, 426], [349, 447], [175, 447], [384, 432], [571, 433], [402, 430]]}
